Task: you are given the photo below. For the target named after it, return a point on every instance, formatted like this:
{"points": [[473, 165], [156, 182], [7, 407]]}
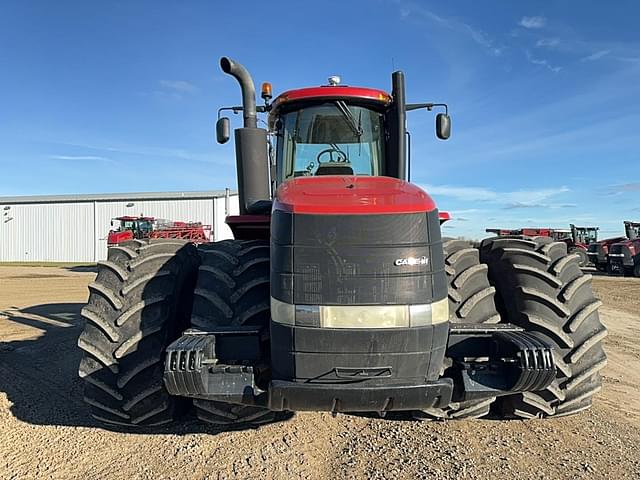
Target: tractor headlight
{"points": [[360, 316], [364, 316]]}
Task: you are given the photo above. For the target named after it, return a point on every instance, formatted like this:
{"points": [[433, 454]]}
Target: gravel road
{"points": [[47, 433]]}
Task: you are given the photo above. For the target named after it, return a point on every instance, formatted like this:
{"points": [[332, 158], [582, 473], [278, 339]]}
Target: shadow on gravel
{"points": [[40, 375], [408, 417], [83, 269]]}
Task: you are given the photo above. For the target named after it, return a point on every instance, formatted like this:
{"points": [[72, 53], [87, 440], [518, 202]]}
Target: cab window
{"points": [[332, 138]]}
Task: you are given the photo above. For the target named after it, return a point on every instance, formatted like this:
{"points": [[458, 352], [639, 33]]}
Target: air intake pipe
{"points": [[252, 158], [248, 90], [398, 125]]}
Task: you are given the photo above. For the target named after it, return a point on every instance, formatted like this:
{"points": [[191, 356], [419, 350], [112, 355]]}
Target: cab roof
{"points": [[333, 92], [129, 218]]}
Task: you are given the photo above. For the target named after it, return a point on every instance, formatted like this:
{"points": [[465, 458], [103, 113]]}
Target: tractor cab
{"points": [[330, 130], [129, 228], [584, 235], [142, 225], [632, 230], [341, 130], [560, 234]]}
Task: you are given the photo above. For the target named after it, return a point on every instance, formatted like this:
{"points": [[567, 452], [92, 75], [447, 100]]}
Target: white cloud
{"points": [[627, 187], [632, 60], [595, 56], [458, 26], [181, 86], [517, 205], [548, 42], [155, 152], [533, 22], [468, 211], [87, 158], [462, 193], [542, 62], [516, 199]]}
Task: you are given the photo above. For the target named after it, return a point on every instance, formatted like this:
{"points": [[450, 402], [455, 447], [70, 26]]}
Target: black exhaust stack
{"points": [[252, 159], [398, 125]]}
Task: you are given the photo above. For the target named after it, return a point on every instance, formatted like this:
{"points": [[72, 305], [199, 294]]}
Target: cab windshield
{"points": [[333, 138], [135, 225], [586, 236], [127, 225]]}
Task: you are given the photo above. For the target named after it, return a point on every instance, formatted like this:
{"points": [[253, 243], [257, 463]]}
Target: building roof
{"points": [[114, 197]]}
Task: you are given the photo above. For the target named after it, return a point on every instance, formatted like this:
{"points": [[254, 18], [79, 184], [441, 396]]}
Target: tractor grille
{"points": [[621, 252], [357, 259], [597, 253]]}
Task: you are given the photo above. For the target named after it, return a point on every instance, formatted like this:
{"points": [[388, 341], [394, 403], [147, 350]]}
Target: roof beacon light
{"points": [[334, 80], [266, 91]]}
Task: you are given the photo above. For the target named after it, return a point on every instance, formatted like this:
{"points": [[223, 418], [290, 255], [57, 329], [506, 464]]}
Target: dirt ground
{"points": [[46, 432]]}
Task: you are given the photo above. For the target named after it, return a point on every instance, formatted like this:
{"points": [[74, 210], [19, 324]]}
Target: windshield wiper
{"points": [[346, 113]]}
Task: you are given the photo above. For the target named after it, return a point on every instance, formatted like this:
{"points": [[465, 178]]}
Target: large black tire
{"points": [[233, 289], [139, 303], [583, 258], [542, 289], [471, 300]]}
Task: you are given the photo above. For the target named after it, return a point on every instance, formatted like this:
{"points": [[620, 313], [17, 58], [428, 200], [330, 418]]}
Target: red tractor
{"points": [[599, 251], [149, 227], [576, 238], [624, 256], [535, 232], [130, 228], [338, 293]]}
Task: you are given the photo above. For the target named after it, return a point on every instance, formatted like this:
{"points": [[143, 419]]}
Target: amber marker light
{"points": [[266, 91]]}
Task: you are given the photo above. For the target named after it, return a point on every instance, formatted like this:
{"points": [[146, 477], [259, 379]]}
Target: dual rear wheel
{"points": [[532, 283], [233, 290], [542, 289], [145, 295], [139, 303]]}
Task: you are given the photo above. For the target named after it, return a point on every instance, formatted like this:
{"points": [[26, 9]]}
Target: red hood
{"points": [[626, 241], [351, 195], [116, 237], [610, 241]]}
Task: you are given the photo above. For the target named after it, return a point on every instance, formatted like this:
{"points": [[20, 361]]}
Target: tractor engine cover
{"points": [[358, 288]]}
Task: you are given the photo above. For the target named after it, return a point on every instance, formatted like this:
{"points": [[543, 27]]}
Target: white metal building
{"points": [[74, 228]]}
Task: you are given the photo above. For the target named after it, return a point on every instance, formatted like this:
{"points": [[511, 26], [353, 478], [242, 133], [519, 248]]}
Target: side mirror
{"points": [[223, 130], [443, 126]]}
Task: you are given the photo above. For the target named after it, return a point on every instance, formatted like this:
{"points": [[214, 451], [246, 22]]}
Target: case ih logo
{"points": [[411, 261]]}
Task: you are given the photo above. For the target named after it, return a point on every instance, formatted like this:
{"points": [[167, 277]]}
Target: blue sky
{"points": [[122, 96]]}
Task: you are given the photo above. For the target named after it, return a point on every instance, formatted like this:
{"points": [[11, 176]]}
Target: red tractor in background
{"points": [[599, 251], [149, 227], [576, 238], [129, 228], [624, 256]]}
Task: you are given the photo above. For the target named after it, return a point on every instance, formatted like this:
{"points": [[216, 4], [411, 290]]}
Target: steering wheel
{"points": [[342, 157]]}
